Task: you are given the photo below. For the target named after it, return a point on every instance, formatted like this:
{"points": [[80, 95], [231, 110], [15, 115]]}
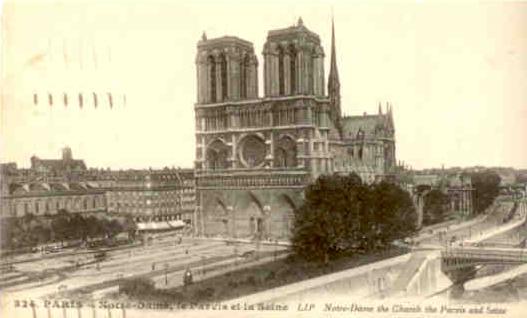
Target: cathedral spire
{"points": [[333, 81]]}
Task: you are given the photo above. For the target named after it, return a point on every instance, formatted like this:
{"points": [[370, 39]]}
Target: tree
{"points": [[435, 207], [320, 224], [60, 226], [93, 227], [342, 215], [41, 234], [114, 228], [487, 187], [394, 214], [78, 225]]}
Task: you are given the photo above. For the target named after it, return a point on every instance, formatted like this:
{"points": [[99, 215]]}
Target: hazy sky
{"points": [[456, 75]]}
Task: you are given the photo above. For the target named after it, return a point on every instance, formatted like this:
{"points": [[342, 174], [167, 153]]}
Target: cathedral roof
{"points": [[368, 125], [60, 164]]}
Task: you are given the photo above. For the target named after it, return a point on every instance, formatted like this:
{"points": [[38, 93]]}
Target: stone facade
{"points": [[45, 199], [153, 195], [146, 195], [254, 156]]}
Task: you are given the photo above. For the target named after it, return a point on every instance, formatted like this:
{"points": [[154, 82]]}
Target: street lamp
{"points": [[235, 255], [275, 248], [166, 274]]}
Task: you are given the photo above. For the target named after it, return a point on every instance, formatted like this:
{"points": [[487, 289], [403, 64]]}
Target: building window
{"points": [[244, 76], [224, 88], [292, 69], [281, 82], [212, 77]]}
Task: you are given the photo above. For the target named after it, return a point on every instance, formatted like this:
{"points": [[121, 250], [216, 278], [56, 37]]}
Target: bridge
{"points": [[440, 263], [469, 256]]}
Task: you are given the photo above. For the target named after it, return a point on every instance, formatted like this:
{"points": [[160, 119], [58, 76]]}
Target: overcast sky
{"points": [[456, 75]]}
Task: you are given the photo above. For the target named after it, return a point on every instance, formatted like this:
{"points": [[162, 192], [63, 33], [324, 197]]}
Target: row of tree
{"points": [[486, 184], [30, 231], [341, 215]]}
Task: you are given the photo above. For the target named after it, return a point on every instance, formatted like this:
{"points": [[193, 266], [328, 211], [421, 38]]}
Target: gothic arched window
{"points": [[244, 72], [285, 153], [217, 155], [223, 65], [292, 69], [212, 77], [281, 79]]}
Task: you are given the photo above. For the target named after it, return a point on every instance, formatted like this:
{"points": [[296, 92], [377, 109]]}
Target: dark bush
{"points": [[137, 287], [232, 283], [270, 276], [203, 293], [251, 280]]}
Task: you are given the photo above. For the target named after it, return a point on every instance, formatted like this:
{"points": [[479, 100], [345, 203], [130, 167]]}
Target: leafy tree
{"points": [[342, 215], [79, 226], [435, 207], [60, 226], [394, 214], [41, 234], [114, 227], [320, 228], [93, 227], [486, 184]]}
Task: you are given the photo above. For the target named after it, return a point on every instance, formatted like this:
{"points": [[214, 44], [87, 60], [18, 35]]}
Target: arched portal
{"points": [[283, 217], [219, 219]]}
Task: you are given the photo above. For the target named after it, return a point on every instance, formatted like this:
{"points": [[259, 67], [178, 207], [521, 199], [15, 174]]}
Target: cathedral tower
{"points": [[294, 62], [227, 70], [334, 84]]}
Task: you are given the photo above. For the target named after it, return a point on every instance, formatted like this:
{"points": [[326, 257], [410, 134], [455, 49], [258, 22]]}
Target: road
{"points": [[37, 276]]}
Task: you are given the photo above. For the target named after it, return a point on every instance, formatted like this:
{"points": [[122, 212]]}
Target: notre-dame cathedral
{"points": [[255, 155]]}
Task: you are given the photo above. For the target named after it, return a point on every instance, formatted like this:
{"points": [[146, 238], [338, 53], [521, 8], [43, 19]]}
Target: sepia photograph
{"points": [[291, 158]]}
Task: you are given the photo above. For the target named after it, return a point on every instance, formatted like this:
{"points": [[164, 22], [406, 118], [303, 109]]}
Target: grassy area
{"points": [[258, 278]]}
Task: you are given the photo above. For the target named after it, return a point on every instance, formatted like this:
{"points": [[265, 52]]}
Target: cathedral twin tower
{"points": [[227, 67]]}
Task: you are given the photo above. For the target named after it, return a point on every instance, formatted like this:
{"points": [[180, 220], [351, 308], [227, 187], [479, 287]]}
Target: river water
{"points": [[509, 291]]}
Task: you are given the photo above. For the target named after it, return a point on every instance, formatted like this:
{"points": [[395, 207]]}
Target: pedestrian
{"points": [[153, 266]]}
